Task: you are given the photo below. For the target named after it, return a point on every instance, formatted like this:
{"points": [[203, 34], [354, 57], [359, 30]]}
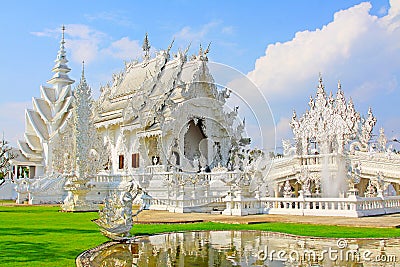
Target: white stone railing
{"points": [[349, 207], [108, 178], [392, 202], [190, 199], [184, 202], [155, 169], [318, 159], [181, 204]]}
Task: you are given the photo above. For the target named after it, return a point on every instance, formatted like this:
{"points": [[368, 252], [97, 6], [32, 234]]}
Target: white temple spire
{"points": [[63, 34], [49, 116], [61, 69], [83, 70], [146, 47], [321, 87], [200, 51], [83, 124]]}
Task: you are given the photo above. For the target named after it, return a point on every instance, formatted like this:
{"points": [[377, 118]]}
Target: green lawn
{"points": [[42, 236]]}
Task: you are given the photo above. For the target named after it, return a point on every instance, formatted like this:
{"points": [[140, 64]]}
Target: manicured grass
{"points": [[42, 236], [289, 228]]}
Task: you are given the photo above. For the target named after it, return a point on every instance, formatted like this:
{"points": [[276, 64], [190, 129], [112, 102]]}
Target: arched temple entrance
{"points": [[193, 145]]}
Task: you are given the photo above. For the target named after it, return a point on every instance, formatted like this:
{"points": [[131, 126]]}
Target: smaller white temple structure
{"points": [[332, 166]]}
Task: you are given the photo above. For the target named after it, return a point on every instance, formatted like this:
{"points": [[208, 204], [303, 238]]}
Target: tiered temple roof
{"points": [[152, 86], [50, 112]]}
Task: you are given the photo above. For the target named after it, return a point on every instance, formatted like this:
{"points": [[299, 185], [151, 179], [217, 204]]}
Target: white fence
{"points": [[348, 207], [182, 204]]}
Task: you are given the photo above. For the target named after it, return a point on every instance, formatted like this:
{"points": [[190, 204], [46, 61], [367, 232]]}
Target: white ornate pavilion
{"points": [[161, 124]]}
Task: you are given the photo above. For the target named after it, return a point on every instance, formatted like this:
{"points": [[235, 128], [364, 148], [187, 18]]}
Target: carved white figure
{"points": [[287, 190], [115, 220]]}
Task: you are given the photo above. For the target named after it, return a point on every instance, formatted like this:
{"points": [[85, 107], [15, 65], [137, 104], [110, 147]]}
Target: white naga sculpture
{"points": [[115, 219]]}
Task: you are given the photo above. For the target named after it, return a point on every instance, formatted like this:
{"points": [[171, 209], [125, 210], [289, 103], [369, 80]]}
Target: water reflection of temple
{"points": [[244, 248]]}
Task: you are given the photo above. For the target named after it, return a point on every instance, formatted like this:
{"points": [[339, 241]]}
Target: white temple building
{"points": [[162, 124]]}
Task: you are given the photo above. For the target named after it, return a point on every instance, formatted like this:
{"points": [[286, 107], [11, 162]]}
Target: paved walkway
{"points": [[151, 216]]}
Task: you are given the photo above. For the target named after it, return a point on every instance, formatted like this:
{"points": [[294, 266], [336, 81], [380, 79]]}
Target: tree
{"points": [[6, 155]]}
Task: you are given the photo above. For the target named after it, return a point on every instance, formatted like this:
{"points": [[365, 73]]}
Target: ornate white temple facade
{"points": [[332, 149], [165, 113], [332, 166], [161, 124]]}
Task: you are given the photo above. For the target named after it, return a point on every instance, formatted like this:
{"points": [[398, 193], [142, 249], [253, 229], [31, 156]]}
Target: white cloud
{"points": [[383, 10], [83, 42], [13, 126], [352, 45], [214, 28], [282, 130], [46, 33], [116, 17], [124, 48], [228, 30], [187, 33], [86, 43], [361, 50]]}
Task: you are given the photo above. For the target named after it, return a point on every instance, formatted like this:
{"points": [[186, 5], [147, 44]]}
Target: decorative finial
{"points": [[146, 46], [351, 101], [170, 46], [294, 115], [339, 85], [187, 49], [83, 69], [208, 49], [63, 34], [320, 86]]}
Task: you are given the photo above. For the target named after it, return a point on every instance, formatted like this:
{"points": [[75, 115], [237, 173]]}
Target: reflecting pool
{"points": [[243, 248]]}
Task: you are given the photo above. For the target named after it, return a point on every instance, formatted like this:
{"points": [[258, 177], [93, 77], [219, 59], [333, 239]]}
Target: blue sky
{"points": [[280, 45]]}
